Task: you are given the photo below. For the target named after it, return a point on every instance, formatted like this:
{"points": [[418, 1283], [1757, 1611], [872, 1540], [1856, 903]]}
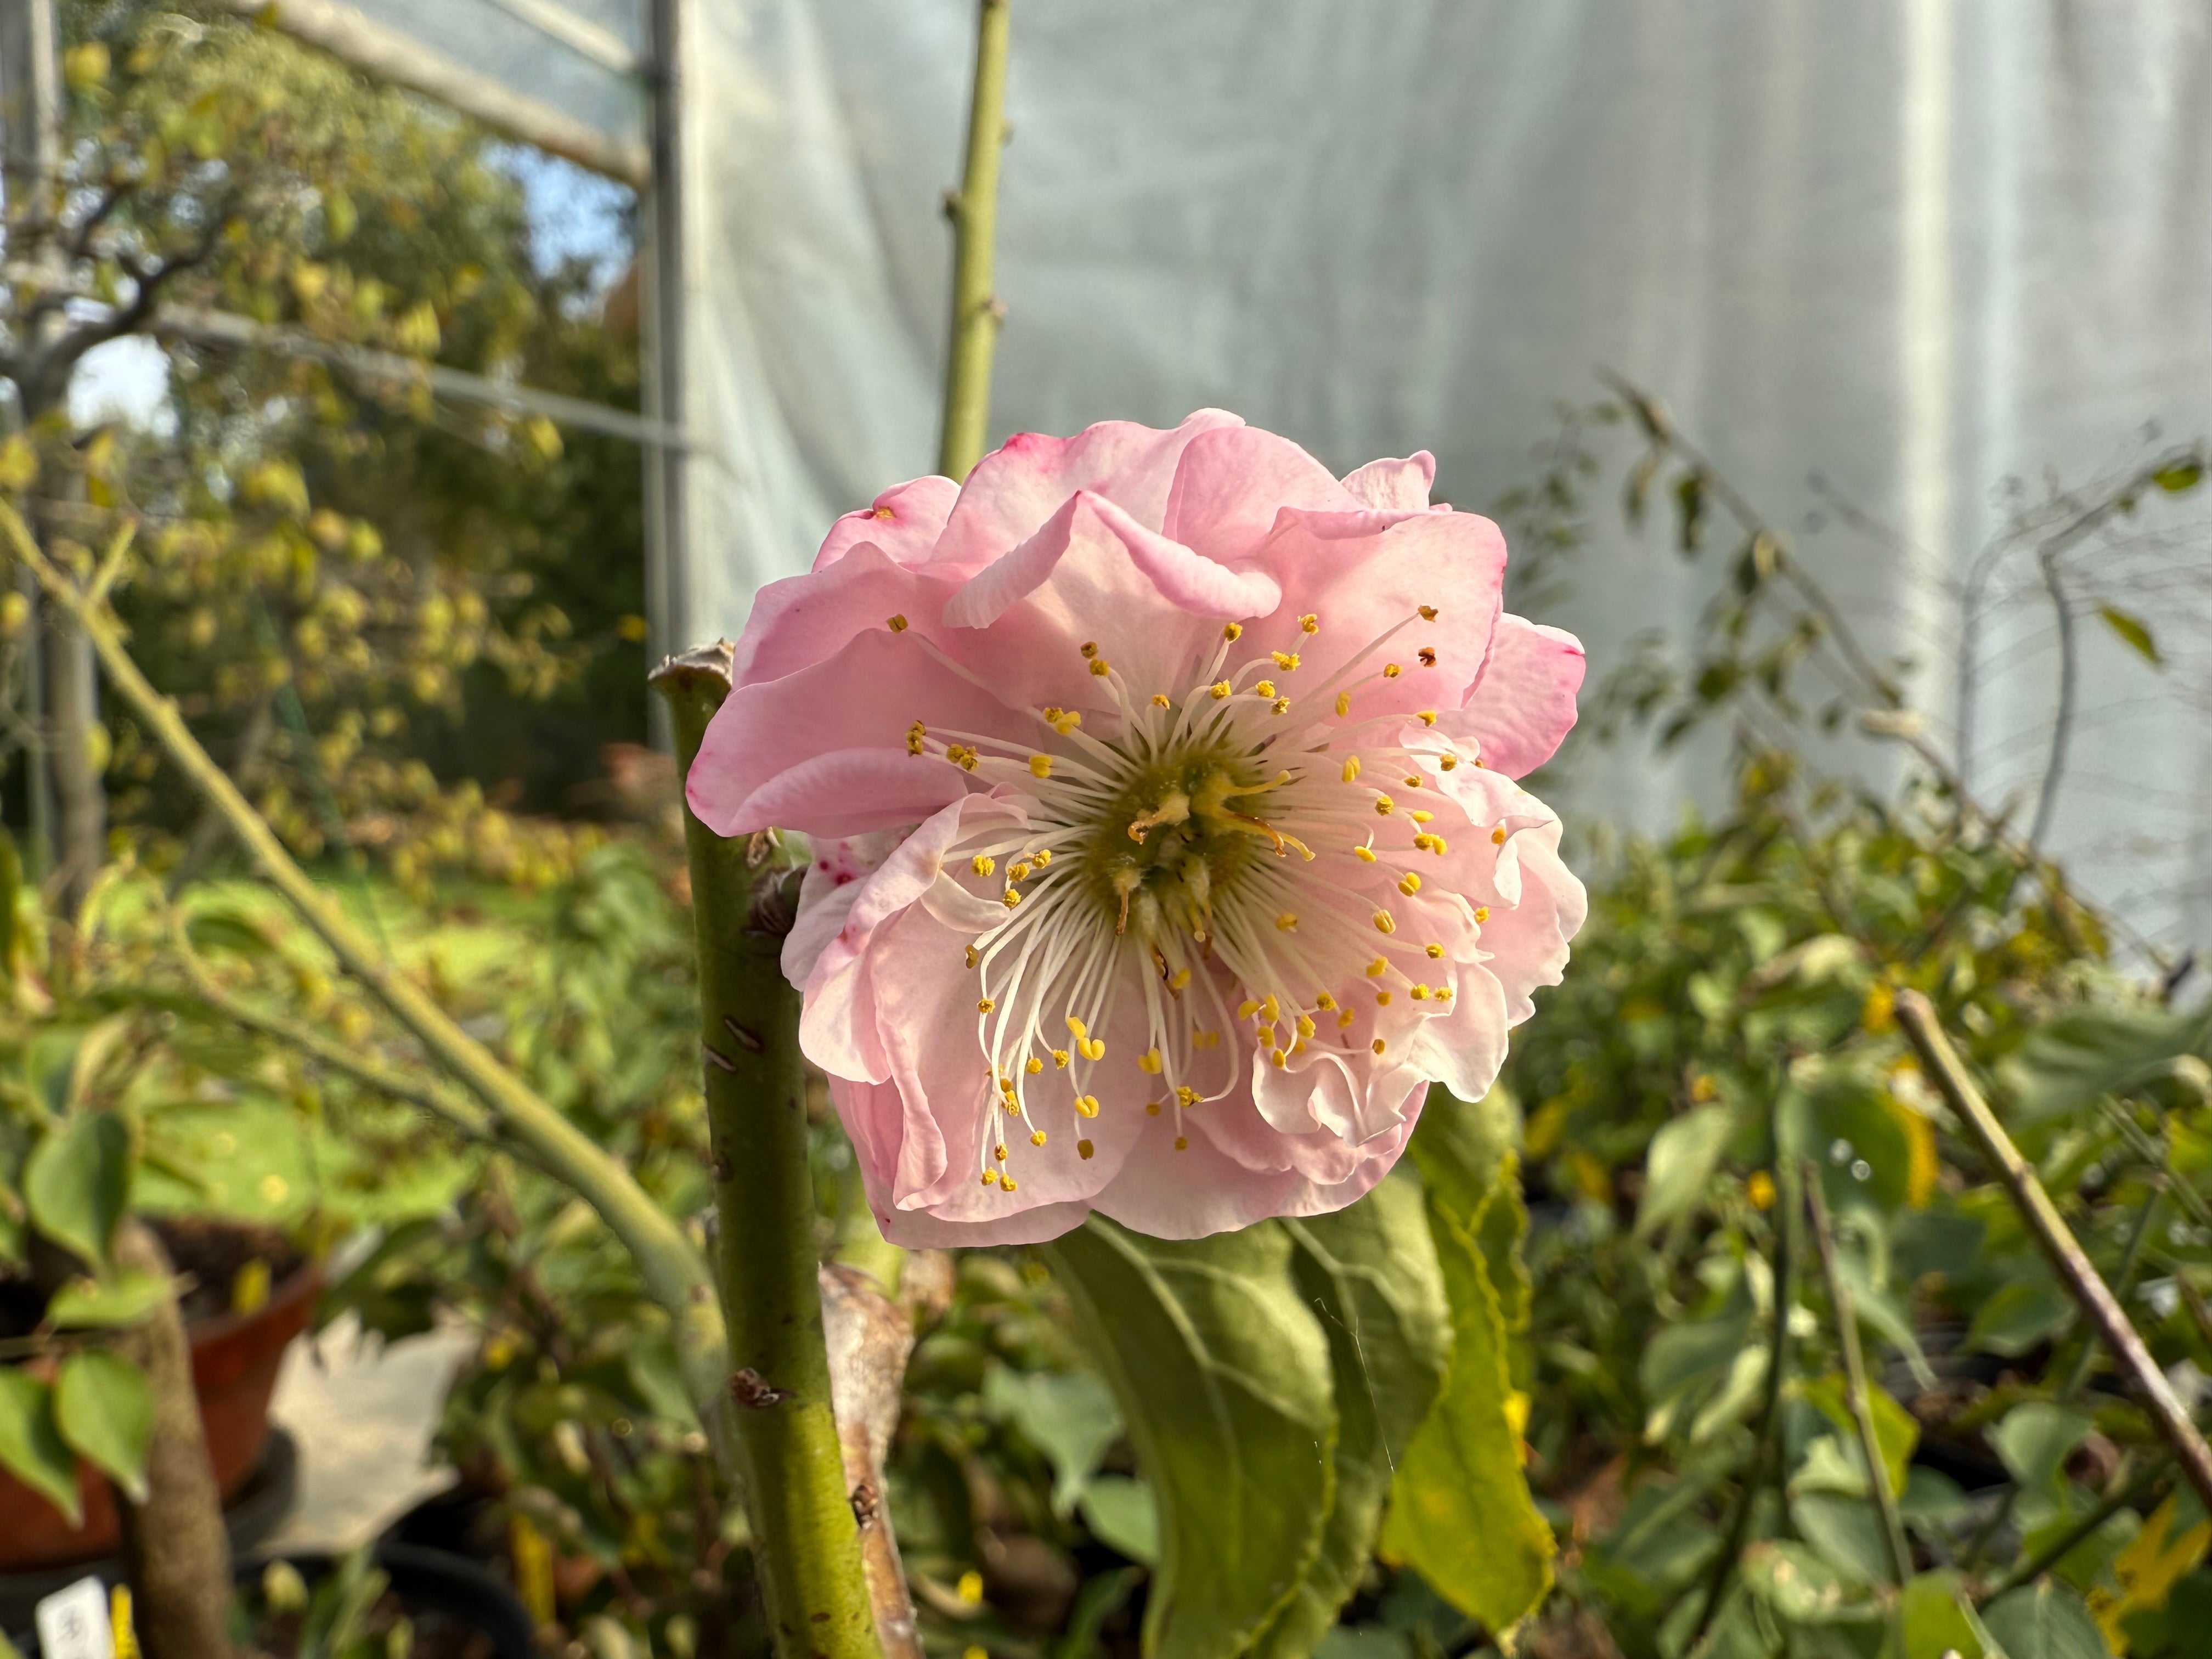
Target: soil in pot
{"points": [[236, 1359]]}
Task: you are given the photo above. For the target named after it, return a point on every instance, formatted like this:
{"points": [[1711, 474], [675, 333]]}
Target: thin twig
{"points": [[2062, 723], [974, 210], [1918, 1019], [1856, 1394]]}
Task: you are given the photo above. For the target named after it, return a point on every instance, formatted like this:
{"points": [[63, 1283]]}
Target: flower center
{"points": [[1174, 840]]}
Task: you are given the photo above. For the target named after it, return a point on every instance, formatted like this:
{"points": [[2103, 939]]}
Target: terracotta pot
{"points": [[236, 1359]]}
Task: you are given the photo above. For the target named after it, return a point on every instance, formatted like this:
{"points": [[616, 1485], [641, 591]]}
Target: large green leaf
{"points": [[1372, 1272], [1682, 1158], [1460, 1512], [1068, 1416], [104, 1406], [1940, 1619], [77, 1182], [31, 1444], [1222, 1377], [2043, 1620]]}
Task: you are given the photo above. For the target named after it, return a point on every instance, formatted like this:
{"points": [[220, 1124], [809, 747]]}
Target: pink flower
{"points": [[1166, 841]]}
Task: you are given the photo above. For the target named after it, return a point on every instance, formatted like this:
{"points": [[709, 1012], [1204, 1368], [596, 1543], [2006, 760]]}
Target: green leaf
{"points": [[1939, 1619], [2035, 1440], [1461, 1513], [1372, 1272], [77, 1183], [1845, 1532], [1222, 1377], [2186, 475], [1070, 1417], [1123, 1515], [2066, 1063], [1896, 1431], [2043, 1620], [31, 1445], [2132, 630], [104, 1406], [1801, 1587], [2019, 1315], [1682, 1160], [125, 1299]]}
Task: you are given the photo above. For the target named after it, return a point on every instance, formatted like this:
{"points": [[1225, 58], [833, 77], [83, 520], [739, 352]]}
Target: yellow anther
{"points": [[1409, 883], [1059, 1058], [1419, 993], [1269, 1008], [1066, 721], [1436, 951], [1205, 1039], [1419, 816], [999, 1152], [1264, 1035], [1376, 1045], [1007, 1182], [1090, 647], [1160, 700], [1484, 764], [1286, 922], [1042, 857], [982, 864], [1247, 1008], [1412, 780], [1277, 1058], [1367, 855], [972, 957], [1378, 967], [990, 1177], [1450, 762], [1036, 1138], [898, 624], [1351, 768], [1285, 660], [1232, 632], [1428, 656], [1299, 1046], [1344, 1019], [1282, 705], [1309, 624], [1076, 1027], [1039, 766], [1149, 1062], [1100, 667], [1428, 613], [1482, 913], [1018, 873], [1084, 1149], [1087, 1104], [1324, 1000], [1343, 704], [885, 513], [1305, 1026], [1178, 978], [1182, 1143], [1497, 835], [1010, 897], [1391, 671], [1091, 1048], [1428, 716], [1265, 688], [1384, 805], [1185, 1095], [1033, 1065], [1151, 1108], [1381, 999], [1219, 689], [1384, 924], [1443, 993], [914, 734], [984, 1005]]}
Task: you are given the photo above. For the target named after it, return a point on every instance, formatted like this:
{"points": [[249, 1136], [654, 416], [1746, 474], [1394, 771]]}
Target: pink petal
{"points": [[1019, 485], [1403, 483], [905, 521], [863, 696], [1231, 484], [798, 620], [1524, 703]]}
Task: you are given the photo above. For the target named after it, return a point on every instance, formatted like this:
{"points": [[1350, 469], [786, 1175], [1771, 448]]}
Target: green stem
{"points": [[675, 1274], [974, 210], [2124, 1494], [1856, 1394], [806, 1547]]}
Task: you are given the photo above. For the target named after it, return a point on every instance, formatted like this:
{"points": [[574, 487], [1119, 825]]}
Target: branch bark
{"points": [[1917, 1018], [806, 1541]]}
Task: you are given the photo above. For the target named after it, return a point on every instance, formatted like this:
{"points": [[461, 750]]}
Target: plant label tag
{"points": [[73, 1623]]}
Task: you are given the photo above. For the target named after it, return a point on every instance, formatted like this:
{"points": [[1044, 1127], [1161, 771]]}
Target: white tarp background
{"points": [[1917, 246]]}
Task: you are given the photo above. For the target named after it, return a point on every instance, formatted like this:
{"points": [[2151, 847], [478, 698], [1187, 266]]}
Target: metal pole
{"points": [[30, 148], [661, 343]]}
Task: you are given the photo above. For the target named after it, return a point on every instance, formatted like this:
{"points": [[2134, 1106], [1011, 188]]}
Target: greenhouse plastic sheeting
{"points": [[1916, 248], [501, 43]]}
